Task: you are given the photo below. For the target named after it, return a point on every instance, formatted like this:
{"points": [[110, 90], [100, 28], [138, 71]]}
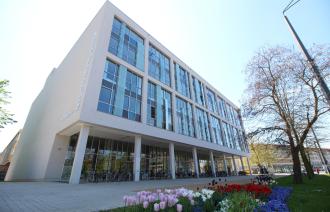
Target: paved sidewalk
{"points": [[52, 196]]}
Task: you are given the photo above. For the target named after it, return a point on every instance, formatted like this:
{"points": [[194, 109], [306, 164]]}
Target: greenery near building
{"points": [[312, 195]]}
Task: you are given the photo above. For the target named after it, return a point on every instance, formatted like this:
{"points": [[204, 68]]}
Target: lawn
{"points": [[312, 195]]}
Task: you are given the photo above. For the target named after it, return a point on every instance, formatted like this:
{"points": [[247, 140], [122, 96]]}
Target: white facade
{"points": [[68, 103]]}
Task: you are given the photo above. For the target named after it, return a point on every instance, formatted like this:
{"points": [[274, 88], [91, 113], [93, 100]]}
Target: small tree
{"points": [[5, 116], [284, 100], [262, 154]]}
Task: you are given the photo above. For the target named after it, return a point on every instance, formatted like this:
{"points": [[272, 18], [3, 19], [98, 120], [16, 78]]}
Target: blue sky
{"points": [[216, 38]]}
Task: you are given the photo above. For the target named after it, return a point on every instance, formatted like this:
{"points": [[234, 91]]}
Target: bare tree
{"points": [[283, 99]]}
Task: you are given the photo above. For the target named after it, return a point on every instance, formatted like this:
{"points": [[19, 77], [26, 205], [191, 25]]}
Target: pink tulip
{"points": [[145, 204], [150, 199], [178, 207], [162, 205], [125, 199], [156, 207]]}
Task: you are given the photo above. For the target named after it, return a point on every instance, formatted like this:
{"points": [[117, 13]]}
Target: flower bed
{"points": [[277, 200], [234, 197]]}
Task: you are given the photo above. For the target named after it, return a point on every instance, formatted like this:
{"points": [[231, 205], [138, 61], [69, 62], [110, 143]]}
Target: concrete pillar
{"points": [[234, 163], [248, 163], [172, 160], [79, 155], [225, 164], [196, 162], [137, 158], [242, 162], [212, 164]]}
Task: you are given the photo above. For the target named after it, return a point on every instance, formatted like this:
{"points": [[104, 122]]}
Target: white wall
{"points": [[57, 106]]}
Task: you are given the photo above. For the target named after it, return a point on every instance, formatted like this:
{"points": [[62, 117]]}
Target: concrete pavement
{"points": [[53, 196]]}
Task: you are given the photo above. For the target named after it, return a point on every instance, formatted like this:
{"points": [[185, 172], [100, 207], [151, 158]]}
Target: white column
{"points": [[172, 160], [242, 162], [212, 163], [225, 164], [248, 163], [137, 158], [234, 163], [196, 162], [79, 155]]}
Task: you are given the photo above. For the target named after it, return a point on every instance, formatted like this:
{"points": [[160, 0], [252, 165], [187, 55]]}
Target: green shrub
{"points": [[237, 201]]}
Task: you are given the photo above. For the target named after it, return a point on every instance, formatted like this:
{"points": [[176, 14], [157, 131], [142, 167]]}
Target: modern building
{"points": [[279, 158], [123, 107], [7, 154]]}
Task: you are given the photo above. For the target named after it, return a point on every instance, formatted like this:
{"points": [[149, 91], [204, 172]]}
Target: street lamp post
{"points": [[312, 64]]}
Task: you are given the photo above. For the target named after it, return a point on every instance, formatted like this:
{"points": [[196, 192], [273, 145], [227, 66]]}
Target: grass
{"points": [[313, 195]]}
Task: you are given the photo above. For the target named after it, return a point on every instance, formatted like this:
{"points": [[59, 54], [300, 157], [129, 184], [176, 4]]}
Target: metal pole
{"points": [[313, 66], [320, 149]]}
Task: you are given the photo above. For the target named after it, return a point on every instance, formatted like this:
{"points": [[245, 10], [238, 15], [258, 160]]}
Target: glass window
{"points": [[211, 102], [182, 81], [133, 95], [226, 134], [109, 86], [202, 128], [151, 111], [126, 44], [159, 66], [221, 107], [130, 103], [184, 119], [217, 131], [159, 111], [199, 91]]}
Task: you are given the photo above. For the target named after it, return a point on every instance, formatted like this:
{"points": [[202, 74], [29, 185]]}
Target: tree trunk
{"points": [[307, 163], [297, 177]]}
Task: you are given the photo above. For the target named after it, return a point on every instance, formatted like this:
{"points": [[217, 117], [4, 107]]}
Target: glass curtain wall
{"points": [[121, 92], [109, 88], [227, 135], [221, 108], [182, 81], [211, 101], [154, 163], [126, 44], [204, 165], [184, 164], [159, 66], [184, 118], [198, 91], [219, 166], [202, 128], [159, 111], [69, 157], [105, 160], [217, 131]]}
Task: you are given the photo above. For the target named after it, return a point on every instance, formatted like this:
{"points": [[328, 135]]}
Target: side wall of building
{"points": [[57, 106]]}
